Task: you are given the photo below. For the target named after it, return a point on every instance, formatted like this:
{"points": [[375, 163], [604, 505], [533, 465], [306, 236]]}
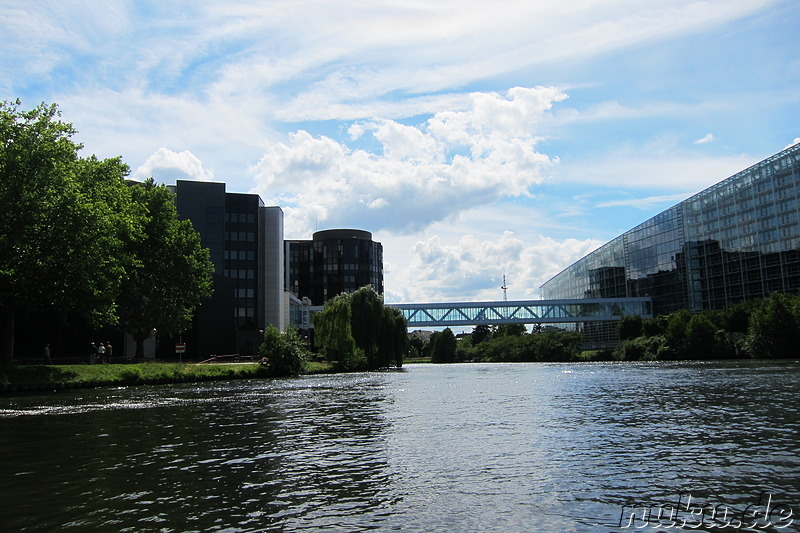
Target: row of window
{"points": [[242, 236], [239, 273], [241, 255], [248, 218]]}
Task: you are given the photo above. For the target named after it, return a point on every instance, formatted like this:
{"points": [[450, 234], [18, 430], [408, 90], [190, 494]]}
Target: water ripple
{"points": [[547, 447]]}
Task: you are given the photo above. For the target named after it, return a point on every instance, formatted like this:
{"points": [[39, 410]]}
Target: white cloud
{"points": [[706, 139], [454, 161], [795, 141], [649, 202], [167, 166], [471, 268], [225, 82], [659, 164]]}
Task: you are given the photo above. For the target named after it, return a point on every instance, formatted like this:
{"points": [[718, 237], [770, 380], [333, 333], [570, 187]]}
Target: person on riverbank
{"points": [[101, 352], [109, 351], [92, 353], [46, 351]]}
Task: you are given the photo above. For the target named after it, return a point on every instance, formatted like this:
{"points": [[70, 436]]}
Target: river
{"points": [[469, 447]]}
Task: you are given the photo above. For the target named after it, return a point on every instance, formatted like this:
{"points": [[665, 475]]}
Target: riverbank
{"points": [[31, 378]]}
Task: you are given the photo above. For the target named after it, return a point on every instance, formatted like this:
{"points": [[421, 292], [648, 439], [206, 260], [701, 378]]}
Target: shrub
{"points": [[283, 354]]}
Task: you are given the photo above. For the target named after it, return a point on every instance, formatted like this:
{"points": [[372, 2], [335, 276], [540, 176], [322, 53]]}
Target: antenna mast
{"points": [[505, 288]]}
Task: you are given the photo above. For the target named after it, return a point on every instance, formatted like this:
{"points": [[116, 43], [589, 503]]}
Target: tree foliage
{"points": [[75, 239], [394, 343], [443, 349], [360, 332], [774, 329], [765, 328], [366, 307], [64, 222], [629, 327], [512, 330], [171, 273], [283, 354], [545, 345], [480, 333], [333, 330]]}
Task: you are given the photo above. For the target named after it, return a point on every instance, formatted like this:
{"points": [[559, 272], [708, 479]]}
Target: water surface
{"points": [[473, 447]]}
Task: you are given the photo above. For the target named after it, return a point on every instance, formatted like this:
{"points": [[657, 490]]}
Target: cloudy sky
{"points": [[472, 138]]}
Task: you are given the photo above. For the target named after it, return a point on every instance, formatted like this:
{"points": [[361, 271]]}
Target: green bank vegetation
{"points": [[759, 329], [20, 378], [24, 378], [354, 331], [768, 328], [507, 343]]}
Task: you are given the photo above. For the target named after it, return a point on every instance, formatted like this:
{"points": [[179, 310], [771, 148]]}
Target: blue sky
{"points": [[472, 138]]}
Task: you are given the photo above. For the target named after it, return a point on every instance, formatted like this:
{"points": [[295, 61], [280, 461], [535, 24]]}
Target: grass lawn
{"points": [[25, 377]]}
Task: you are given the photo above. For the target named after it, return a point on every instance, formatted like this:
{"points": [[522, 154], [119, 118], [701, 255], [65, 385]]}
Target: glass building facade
{"points": [[736, 240], [333, 262]]}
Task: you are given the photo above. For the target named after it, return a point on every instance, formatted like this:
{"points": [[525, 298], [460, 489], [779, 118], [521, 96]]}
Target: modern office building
{"points": [[736, 240], [245, 239], [333, 262]]}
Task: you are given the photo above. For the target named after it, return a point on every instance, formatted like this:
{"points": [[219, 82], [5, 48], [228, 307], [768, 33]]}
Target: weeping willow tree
{"points": [[333, 332], [360, 332], [394, 343]]}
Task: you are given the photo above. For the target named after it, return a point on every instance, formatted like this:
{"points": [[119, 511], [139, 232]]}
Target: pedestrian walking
{"points": [[109, 352], [47, 354], [101, 352], [92, 353]]}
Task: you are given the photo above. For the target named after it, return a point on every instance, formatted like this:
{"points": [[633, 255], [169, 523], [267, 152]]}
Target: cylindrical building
{"points": [[333, 262]]}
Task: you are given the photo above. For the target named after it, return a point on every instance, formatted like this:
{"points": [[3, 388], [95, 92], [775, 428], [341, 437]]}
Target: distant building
{"points": [[245, 239], [735, 241], [333, 262]]}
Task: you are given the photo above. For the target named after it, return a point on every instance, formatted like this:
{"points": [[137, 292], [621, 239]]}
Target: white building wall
{"points": [[274, 313]]}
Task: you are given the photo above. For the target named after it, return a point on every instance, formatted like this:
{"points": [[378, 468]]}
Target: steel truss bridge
{"points": [[524, 312], [594, 318]]}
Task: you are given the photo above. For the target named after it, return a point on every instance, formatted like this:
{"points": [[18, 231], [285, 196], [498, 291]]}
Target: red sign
{"points": [[180, 347]]}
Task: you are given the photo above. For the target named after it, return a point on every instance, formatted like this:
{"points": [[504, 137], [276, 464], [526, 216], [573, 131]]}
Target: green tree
{"points": [[509, 330], [430, 346], [701, 337], [480, 333], [774, 330], [360, 332], [283, 354], [63, 222], [333, 330], [171, 273], [394, 343], [444, 349], [417, 345], [653, 326], [629, 327], [558, 345], [675, 336], [366, 318]]}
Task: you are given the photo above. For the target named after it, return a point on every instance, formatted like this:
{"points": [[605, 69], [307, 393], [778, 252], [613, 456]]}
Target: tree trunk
{"points": [[7, 336]]}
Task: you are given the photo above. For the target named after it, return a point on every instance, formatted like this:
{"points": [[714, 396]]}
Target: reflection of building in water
{"points": [[736, 240]]}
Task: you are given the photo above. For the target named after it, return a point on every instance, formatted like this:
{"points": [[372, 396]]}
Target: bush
{"points": [[641, 349], [551, 345], [283, 354]]}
